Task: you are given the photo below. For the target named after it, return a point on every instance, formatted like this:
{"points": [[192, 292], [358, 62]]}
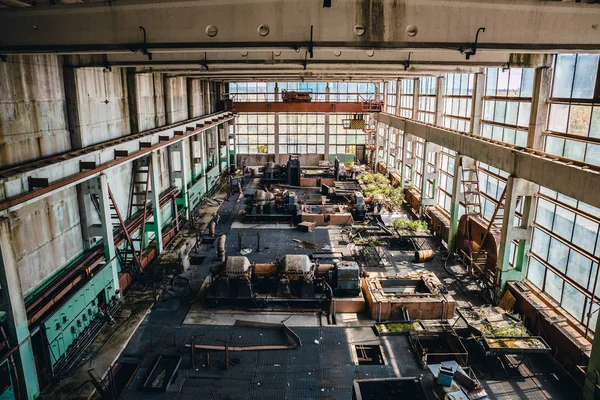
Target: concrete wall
{"points": [[47, 107], [33, 121], [176, 99], [146, 101], [46, 236], [97, 104], [195, 98]]}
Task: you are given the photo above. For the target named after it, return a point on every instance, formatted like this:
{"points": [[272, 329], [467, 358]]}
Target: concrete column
{"points": [[376, 155], [457, 197], [179, 170], [440, 93], [215, 132], [542, 86], [203, 152], [327, 133], [398, 92], [155, 196], [233, 135], [589, 388], [386, 137], [327, 124], [515, 188], [416, 90], [110, 251], [477, 103], [398, 153], [276, 116], [13, 303]]}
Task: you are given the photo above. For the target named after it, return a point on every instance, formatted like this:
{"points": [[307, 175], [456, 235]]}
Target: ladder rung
{"points": [[139, 193], [140, 182]]}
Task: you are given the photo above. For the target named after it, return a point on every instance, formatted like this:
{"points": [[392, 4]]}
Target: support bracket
{"points": [[145, 44], [472, 50]]}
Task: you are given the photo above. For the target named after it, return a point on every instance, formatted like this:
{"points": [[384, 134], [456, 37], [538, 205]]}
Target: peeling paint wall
{"points": [[46, 235], [97, 105], [47, 108], [149, 100], [195, 106], [33, 121], [176, 99]]}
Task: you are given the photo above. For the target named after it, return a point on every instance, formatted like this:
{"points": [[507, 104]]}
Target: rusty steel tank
{"points": [[471, 230]]}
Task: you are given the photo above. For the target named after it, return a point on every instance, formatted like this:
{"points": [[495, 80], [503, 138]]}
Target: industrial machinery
{"points": [[295, 97], [293, 170], [294, 280], [265, 206]]}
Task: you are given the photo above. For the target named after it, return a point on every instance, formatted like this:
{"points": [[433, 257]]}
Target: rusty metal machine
{"points": [[295, 97], [294, 280], [266, 206]]}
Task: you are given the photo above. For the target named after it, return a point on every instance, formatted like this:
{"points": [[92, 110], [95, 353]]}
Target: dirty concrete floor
{"points": [[325, 366]]}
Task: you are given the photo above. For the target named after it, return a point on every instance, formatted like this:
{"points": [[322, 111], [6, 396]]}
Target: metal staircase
{"points": [[140, 189], [127, 256], [472, 204]]}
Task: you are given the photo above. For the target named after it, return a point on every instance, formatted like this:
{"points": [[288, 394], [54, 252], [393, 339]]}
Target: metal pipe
{"points": [[221, 248]]}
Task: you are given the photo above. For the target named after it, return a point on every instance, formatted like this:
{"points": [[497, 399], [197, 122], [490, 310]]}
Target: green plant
{"points": [[516, 330], [379, 184], [406, 224]]}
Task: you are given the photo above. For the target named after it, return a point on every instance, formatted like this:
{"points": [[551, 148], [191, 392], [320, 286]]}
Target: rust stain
{"points": [[370, 14]]}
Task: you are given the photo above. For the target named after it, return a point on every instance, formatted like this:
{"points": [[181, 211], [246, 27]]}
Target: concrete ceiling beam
{"points": [[524, 25]]}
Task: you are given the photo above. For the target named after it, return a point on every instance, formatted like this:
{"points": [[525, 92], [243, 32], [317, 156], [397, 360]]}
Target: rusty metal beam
{"points": [[315, 107], [64, 171]]}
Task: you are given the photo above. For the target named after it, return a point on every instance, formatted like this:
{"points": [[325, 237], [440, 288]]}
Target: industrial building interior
{"points": [[316, 199]]}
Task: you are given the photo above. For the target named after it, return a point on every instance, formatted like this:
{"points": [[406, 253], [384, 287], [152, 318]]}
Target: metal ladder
{"points": [[128, 256], [472, 203], [140, 188]]}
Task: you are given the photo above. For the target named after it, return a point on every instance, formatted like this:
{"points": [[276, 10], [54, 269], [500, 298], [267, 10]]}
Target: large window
{"points": [[565, 249], [407, 87], [391, 96], [458, 101], [507, 104], [255, 133], [427, 99], [574, 121], [343, 141], [252, 91], [301, 133]]}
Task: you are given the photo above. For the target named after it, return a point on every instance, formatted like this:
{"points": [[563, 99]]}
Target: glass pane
{"points": [[574, 150], [573, 301], [545, 213], [579, 268], [492, 78], [592, 154], [558, 255], [553, 285], [540, 244], [595, 123], [563, 223], [585, 233], [559, 114], [585, 76], [579, 120], [563, 75], [555, 145], [536, 272]]}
